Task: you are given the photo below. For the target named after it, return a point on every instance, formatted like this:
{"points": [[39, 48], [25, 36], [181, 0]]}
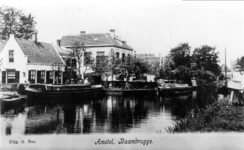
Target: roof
{"points": [[223, 68], [94, 40], [38, 52], [2, 44], [63, 52]]}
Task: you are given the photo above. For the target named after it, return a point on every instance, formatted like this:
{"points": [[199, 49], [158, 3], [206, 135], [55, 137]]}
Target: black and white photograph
{"points": [[122, 74]]}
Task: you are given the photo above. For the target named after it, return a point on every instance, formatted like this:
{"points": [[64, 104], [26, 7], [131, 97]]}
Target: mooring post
{"points": [[231, 97]]}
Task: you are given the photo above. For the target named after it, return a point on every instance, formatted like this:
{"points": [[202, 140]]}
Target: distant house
{"points": [[149, 58], [28, 60], [99, 44]]}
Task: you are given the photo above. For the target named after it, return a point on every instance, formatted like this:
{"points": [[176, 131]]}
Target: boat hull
{"points": [[64, 95]]}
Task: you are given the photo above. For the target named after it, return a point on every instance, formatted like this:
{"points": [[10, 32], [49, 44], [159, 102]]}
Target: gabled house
{"points": [[29, 60], [99, 44]]}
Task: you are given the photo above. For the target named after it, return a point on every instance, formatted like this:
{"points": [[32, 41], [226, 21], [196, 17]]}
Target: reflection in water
{"points": [[111, 114]]}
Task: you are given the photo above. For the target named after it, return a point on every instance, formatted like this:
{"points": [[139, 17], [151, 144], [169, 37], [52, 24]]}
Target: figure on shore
{"points": [[86, 81]]}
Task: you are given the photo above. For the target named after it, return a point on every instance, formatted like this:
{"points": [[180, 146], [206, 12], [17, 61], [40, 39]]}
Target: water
{"points": [[110, 114]]}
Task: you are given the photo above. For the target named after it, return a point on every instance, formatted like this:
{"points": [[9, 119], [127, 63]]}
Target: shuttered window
{"points": [[33, 75], [11, 74], [51, 75], [43, 75]]}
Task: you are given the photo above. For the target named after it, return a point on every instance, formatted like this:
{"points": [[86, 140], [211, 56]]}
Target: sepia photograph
{"points": [[122, 74]]}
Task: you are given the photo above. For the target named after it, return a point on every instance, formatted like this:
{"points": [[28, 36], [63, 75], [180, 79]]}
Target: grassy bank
{"points": [[217, 117]]}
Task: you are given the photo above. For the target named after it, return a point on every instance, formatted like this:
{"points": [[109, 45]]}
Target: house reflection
{"points": [[112, 114]]}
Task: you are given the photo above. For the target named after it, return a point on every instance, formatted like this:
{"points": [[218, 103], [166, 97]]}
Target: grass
{"points": [[217, 117]]}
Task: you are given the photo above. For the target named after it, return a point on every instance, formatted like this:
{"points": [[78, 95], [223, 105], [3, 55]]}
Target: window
{"points": [[123, 57], [51, 75], [33, 74], [117, 54], [11, 74], [43, 75], [100, 53], [11, 55]]}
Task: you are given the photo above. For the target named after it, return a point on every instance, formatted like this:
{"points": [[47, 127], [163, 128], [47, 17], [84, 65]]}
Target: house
{"points": [[99, 44], [29, 60], [149, 58]]}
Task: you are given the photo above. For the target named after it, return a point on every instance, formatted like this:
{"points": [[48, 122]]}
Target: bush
{"points": [[216, 117]]}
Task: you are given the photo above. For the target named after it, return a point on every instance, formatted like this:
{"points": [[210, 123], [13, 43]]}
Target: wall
{"points": [[20, 60]]}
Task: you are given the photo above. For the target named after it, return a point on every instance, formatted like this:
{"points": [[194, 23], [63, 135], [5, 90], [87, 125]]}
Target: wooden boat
{"points": [[41, 91], [176, 89], [11, 99]]}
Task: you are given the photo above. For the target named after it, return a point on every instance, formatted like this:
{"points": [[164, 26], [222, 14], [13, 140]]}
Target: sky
{"points": [[148, 26]]}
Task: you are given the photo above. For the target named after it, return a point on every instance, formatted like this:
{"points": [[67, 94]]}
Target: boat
{"points": [[11, 99], [120, 91], [176, 89], [43, 91]]}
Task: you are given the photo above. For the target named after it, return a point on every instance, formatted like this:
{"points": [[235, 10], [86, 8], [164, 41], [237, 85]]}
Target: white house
{"points": [[99, 44], [28, 60]]}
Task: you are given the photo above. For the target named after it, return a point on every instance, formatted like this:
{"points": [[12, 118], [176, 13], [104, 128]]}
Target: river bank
{"points": [[216, 117]]}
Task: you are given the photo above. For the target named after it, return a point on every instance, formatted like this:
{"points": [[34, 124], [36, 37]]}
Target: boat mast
{"points": [[225, 68]]}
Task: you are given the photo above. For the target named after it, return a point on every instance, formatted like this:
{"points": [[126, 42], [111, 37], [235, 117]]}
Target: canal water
{"points": [[109, 114]]}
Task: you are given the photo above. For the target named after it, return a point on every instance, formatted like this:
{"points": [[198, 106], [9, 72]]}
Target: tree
{"points": [[206, 59], [240, 61], [89, 61], [134, 66], [77, 53], [181, 55], [13, 21], [57, 67]]}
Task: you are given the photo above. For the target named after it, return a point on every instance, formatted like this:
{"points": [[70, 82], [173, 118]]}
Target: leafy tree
{"points": [[13, 21], [78, 50], [134, 66], [240, 61], [57, 67], [181, 55], [206, 59], [89, 61]]}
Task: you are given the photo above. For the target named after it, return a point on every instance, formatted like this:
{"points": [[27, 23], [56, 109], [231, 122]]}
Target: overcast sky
{"points": [[148, 26]]}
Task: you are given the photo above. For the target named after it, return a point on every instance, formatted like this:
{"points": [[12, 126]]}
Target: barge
{"points": [[67, 91]]}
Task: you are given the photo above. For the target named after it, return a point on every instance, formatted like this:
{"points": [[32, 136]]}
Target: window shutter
{"points": [[29, 76], [17, 76], [3, 76]]}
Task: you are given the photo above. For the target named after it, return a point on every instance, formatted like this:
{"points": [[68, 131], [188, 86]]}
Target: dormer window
{"points": [[11, 55]]}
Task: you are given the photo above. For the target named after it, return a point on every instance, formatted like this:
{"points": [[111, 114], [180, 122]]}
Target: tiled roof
{"points": [[63, 52], [38, 52], [2, 43], [94, 40]]}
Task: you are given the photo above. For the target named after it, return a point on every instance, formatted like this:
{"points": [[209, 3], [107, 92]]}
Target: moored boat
{"points": [[176, 89], [42, 91]]}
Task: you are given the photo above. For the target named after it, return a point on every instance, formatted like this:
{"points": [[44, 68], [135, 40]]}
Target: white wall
{"points": [[107, 51], [20, 60]]}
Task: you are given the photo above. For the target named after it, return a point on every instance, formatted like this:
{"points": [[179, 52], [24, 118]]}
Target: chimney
{"points": [[82, 32], [34, 37], [11, 35], [58, 43], [112, 33]]}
